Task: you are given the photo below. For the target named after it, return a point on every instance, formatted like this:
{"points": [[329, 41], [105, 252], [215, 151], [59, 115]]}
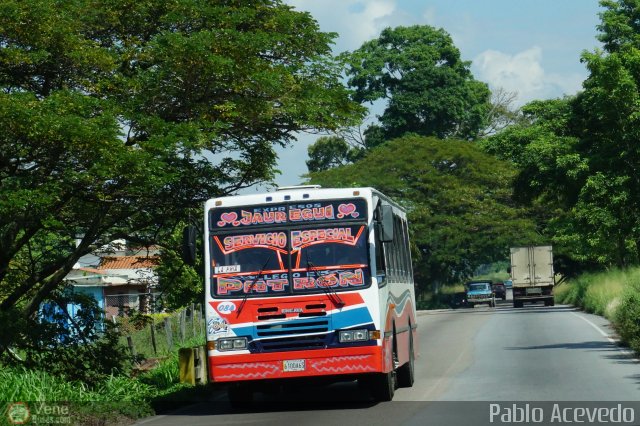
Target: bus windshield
{"points": [[310, 259]]}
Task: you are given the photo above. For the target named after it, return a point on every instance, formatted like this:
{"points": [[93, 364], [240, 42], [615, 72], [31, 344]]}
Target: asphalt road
{"points": [[476, 366]]}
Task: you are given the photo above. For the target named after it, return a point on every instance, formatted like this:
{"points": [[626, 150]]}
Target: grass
{"points": [[614, 294], [598, 293], [139, 329], [118, 399], [442, 300]]}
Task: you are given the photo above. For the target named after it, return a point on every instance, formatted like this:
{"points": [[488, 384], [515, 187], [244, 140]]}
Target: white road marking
{"points": [[606, 335]]}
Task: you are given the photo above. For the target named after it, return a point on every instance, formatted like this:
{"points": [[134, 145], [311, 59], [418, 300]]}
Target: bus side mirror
{"points": [[189, 234], [386, 223]]}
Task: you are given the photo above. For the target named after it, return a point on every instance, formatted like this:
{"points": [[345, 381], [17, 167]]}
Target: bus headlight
{"points": [[347, 336], [231, 344]]}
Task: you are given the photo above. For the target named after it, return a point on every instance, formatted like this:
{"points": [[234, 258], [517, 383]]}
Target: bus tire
{"points": [[384, 386], [406, 373], [240, 395]]}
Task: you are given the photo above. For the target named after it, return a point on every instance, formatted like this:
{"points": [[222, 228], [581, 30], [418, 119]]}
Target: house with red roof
{"points": [[121, 278]]}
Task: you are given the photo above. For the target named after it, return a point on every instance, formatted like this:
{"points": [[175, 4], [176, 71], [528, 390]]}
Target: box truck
{"points": [[532, 275]]}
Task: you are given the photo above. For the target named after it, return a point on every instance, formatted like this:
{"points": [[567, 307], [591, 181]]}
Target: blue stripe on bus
{"points": [[338, 320]]}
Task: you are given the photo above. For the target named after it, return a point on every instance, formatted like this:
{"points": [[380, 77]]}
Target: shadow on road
{"points": [[533, 309], [635, 377], [593, 345], [626, 357], [213, 401], [502, 308], [615, 351]]}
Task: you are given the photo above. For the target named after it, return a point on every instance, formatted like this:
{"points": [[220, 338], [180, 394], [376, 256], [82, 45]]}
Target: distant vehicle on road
{"points": [[532, 275], [508, 284], [499, 290], [480, 292]]}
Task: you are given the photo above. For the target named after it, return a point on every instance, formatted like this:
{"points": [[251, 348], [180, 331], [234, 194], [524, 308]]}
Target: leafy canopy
{"points": [[458, 200], [120, 117], [579, 156], [428, 88]]}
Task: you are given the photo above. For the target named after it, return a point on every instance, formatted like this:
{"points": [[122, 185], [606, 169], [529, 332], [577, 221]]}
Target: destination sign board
{"points": [[290, 213]]}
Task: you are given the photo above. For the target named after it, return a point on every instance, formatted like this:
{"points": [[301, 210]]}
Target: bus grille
{"points": [[292, 336]]}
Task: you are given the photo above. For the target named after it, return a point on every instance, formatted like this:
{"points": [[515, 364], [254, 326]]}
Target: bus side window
{"points": [[381, 266], [407, 250], [399, 249]]}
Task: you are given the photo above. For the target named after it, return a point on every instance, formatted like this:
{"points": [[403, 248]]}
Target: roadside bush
{"points": [[81, 348], [573, 292], [627, 317], [598, 293], [431, 301]]}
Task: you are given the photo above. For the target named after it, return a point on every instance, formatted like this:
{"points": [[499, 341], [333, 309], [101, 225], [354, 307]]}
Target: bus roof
{"points": [[288, 194]]}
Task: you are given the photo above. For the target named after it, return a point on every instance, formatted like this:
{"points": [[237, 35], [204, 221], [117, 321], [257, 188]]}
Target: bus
{"points": [[308, 282]]}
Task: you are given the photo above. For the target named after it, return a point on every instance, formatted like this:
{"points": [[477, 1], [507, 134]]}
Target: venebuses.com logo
{"points": [[18, 413]]}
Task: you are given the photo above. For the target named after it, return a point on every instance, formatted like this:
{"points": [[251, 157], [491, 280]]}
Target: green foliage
{"points": [[628, 317], [428, 88], [328, 152], [599, 293], [34, 385], [578, 156], [117, 399], [119, 118], [139, 330], [620, 24], [180, 284], [614, 294], [82, 348], [457, 197]]}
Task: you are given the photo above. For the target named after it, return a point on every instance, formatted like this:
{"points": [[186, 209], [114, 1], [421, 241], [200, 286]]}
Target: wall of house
{"points": [[95, 292]]}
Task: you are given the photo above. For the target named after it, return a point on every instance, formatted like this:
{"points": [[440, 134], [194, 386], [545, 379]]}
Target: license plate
{"points": [[294, 365], [535, 290]]}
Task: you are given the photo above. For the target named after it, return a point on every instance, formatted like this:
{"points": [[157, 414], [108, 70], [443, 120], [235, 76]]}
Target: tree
{"points": [[583, 151], [347, 145], [121, 117], [550, 173], [608, 121], [458, 200], [429, 90], [328, 152], [502, 112]]}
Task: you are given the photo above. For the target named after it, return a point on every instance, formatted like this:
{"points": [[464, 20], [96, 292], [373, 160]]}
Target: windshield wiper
{"points": [[253, 282], [330, 292]]}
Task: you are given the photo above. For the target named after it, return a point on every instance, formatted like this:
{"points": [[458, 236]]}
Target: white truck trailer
{"points": [[532, 275]]}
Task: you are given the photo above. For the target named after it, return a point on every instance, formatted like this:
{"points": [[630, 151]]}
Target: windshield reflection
{"points": [[306, 260]]}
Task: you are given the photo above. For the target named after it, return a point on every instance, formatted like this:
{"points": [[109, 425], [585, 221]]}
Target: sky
{"points": [[531, 47]]}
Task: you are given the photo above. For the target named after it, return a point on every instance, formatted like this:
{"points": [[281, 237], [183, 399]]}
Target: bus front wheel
{"points": [[383, 386]]}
